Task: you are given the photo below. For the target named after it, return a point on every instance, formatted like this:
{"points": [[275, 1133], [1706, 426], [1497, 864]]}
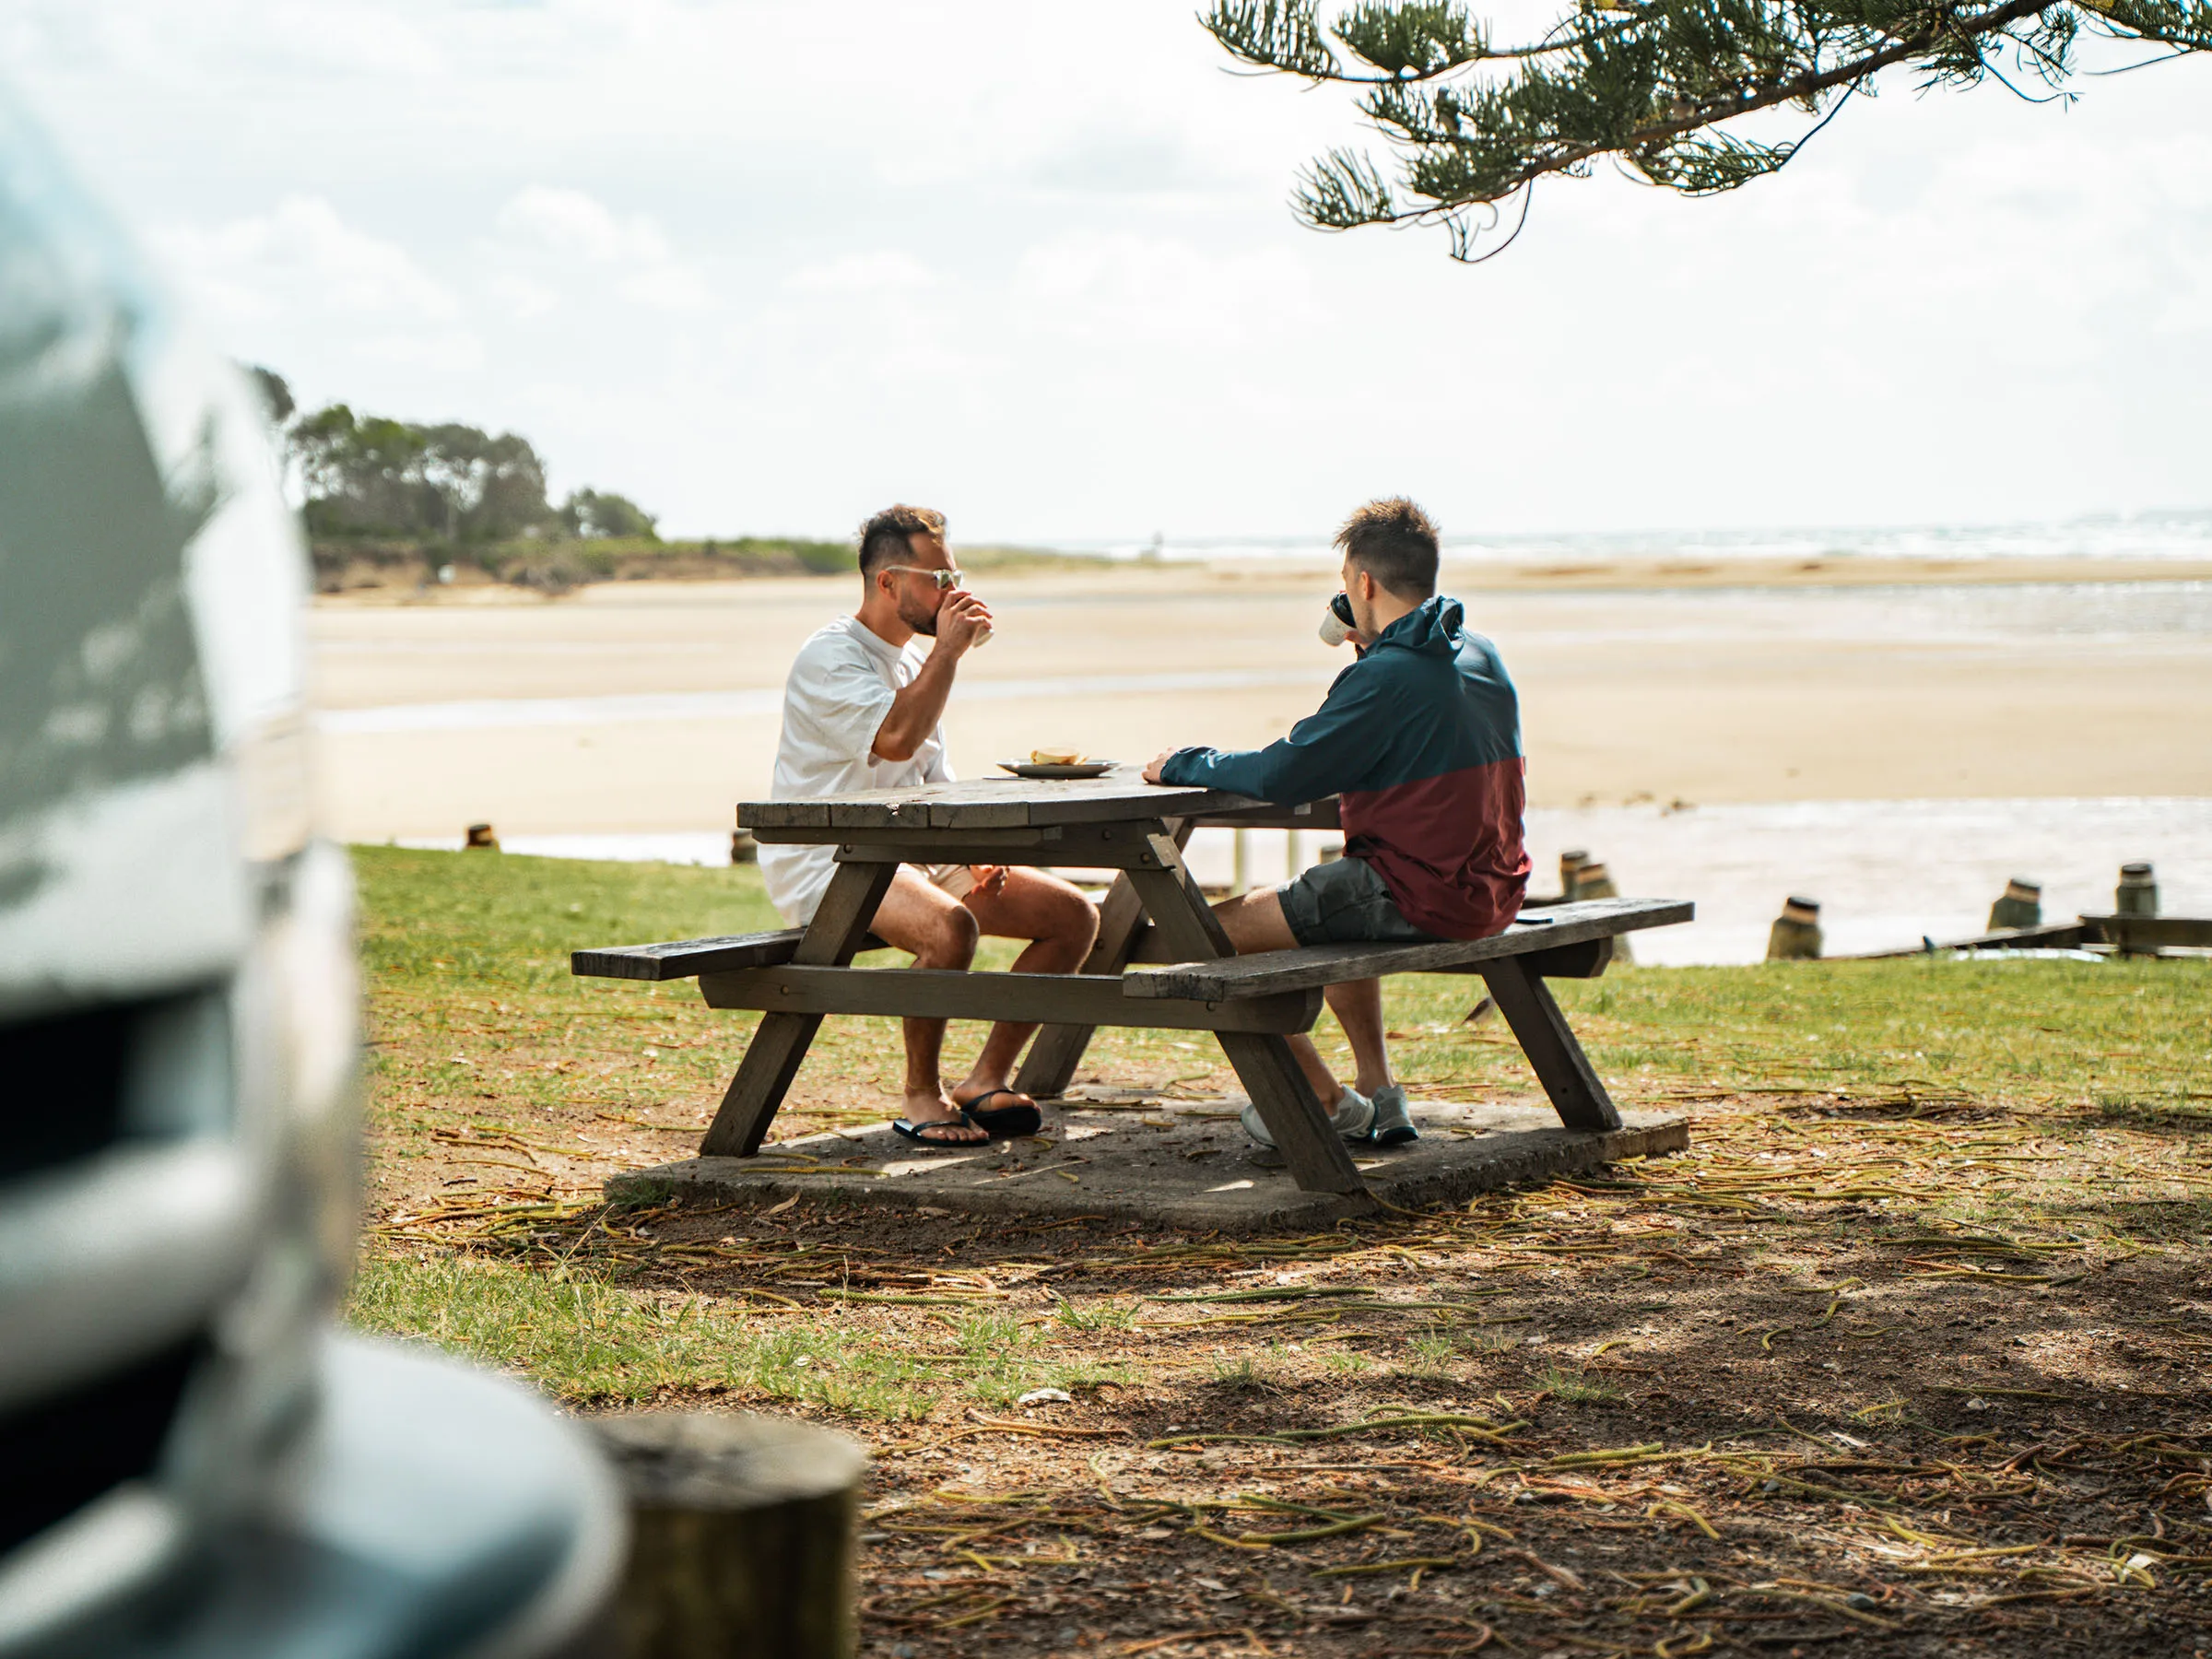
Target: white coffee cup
{"points": [[1336, 622]]}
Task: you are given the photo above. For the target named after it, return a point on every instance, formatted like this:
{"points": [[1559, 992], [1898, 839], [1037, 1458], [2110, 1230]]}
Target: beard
{"points": [[920, 621]]}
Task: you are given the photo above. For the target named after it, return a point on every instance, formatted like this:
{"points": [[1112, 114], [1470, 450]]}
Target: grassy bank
{"points": [[555, 566], [1901, 1358]]}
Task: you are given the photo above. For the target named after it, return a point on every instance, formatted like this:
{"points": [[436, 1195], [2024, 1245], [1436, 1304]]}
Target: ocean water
{"points": [[2181, 534], [1886, 873]]}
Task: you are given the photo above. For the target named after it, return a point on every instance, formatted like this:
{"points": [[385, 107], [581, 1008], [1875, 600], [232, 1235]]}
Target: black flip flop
{"points": [[1004, 1122], [919, 1134]]}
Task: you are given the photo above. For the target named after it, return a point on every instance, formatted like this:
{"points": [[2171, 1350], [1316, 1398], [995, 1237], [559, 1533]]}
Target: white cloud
{"points": [[301, 272], [567, 221], [302, 253], [881, 271], [544, 223]]}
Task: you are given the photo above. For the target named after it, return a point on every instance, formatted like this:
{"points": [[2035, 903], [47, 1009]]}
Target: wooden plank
{"points": [[1058, 1050], [1312, 815], [1335, 964], [687, 959], [2137, 935], [1150, 948], [756, 816], [976, 810], [994, 804], [920, 842], [781, 1040], [1264, 1065], [1588, 960], [1557, 1059], [1093, 999], [2051, 935], [1115, 846]]}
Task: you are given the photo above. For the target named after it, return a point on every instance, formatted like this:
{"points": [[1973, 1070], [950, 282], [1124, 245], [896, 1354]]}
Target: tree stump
{"points": [[742, 1536]]}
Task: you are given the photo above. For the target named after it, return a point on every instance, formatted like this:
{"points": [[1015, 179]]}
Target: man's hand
{"points": [[961, 619], [990, 879], [1152, 767]]}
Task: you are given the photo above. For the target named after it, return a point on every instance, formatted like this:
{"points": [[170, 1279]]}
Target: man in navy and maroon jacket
{"points": [[1421, 739]]}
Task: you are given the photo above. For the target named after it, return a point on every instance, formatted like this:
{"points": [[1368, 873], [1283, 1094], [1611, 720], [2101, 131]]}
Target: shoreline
{"points": [[1548, 574]]}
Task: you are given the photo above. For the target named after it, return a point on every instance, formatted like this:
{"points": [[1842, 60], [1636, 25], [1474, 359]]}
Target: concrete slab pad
{"points": [[1176, 1162]]}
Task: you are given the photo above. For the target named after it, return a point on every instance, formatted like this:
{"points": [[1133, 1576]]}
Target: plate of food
{"points": [[1058, 763]]}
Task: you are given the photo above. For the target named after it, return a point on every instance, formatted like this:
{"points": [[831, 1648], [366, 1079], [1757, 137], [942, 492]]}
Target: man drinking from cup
{"points": [[861, 709], [1420, 737]]}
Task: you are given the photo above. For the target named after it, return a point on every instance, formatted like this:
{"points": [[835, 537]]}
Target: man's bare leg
{"points": [[1255, 921], [941, 933], [1357, 1005], [1061, 926]]}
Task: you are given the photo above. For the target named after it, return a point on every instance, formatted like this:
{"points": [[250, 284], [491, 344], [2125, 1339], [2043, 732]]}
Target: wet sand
{"points": [[651, 706]]}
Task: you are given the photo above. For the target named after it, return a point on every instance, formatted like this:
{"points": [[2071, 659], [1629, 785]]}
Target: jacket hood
{"points": [[1432, 629]]}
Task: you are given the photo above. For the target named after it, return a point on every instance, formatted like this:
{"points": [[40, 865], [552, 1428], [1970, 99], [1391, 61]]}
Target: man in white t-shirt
{"points": [[861, 710]]}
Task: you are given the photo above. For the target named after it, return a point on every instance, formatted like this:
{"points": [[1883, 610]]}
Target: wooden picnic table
{"points": [[1154, 910]]}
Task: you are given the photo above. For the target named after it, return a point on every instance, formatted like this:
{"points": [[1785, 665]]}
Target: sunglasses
{"points": [[943, 579]]}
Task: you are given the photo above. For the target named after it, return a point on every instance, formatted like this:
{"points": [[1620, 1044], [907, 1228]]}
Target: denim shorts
{"points": [[1343, 901]]}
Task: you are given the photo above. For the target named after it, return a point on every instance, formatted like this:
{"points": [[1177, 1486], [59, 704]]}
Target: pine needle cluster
{"points": [[1658, 85]]}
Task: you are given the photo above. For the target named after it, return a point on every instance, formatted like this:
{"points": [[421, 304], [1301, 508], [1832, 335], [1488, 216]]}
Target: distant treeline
{"points": [[391, 503]]}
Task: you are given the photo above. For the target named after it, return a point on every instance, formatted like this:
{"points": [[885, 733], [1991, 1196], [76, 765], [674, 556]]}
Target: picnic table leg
{"points": [[1264, 1065], [1058, 1050], [780, 1042], [1561, 1065]]}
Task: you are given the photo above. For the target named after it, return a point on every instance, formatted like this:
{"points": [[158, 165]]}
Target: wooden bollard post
{"points": [[2022, 905], [1797, 933], [1591, 880], [741, 1536], [2138, 894], [1570, 870], [744, 849], [481, 839]]}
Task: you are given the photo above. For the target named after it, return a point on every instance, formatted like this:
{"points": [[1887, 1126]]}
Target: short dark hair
{"points": [[887, 538], [1395, 542]]}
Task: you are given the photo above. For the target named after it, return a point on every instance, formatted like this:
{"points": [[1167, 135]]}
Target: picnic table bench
{"points": [[1161, 959]]}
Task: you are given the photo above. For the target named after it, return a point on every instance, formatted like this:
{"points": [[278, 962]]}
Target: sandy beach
{"points": [[1647, 689]]}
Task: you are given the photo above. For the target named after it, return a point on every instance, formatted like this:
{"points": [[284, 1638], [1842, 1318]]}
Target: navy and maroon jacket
{"points": [[1421, 737]]}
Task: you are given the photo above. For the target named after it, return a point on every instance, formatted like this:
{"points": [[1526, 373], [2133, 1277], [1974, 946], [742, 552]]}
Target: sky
{"points": [[768, 267]]}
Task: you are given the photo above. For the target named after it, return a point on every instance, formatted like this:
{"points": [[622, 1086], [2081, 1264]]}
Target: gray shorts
{"points": [[1343, 901]]}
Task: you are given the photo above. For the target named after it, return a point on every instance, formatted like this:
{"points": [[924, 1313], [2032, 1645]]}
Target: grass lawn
{"points": [[1901, 1358]]}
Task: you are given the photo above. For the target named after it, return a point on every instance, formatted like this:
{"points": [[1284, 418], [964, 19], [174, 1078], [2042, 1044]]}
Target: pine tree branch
{"points": [[1653, 83], [1539, 158]]}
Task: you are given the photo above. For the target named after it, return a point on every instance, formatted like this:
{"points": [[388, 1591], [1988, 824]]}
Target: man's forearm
{"points": [[1253, 772], [917, 708]]}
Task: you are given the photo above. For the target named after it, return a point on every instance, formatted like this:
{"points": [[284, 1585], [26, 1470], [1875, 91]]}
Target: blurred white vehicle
{"points": [[192, 1461]]}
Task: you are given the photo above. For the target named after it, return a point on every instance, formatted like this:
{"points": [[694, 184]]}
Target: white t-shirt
{"points": [[834, 702]]}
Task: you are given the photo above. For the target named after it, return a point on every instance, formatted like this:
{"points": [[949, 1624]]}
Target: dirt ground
{"points": [[1717, 1402]]}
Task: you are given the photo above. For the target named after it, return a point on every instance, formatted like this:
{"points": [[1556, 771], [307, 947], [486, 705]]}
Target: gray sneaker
{"points": [[1354, 1116], [1393, 1126]]}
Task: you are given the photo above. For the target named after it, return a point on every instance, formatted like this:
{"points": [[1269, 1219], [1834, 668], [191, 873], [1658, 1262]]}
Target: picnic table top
{"points": [[1000, 803]]}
